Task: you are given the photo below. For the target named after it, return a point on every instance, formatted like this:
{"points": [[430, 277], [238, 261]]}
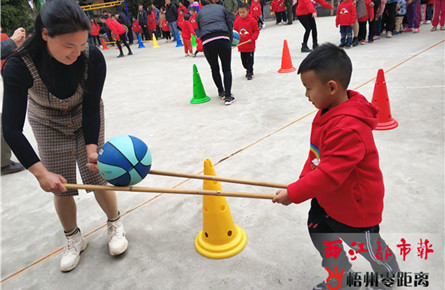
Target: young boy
{"points": [[193, 20], [278, 7], [346, 17], [247, 27], [341, 175], [256, 12], [187, 31]]}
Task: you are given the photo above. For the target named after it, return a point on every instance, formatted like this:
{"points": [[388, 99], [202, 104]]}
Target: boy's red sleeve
{"points": [[342, 150], [324, 4]]}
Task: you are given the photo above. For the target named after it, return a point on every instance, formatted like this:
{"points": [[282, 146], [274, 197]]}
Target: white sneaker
{"points": [[117, 242], [75, 245]]}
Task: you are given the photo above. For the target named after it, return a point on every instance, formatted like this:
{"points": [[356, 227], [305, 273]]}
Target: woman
{"points": [[64, 79], [306, 13], [119, 32], [216, 30], [95, 29]]}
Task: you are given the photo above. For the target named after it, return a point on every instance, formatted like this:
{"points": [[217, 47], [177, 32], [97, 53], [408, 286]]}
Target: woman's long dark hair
{"points": [[58, 17]]}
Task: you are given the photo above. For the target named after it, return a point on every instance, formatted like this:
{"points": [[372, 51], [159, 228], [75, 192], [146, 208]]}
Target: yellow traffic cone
{"points": [[221, 237], [155, 43]]}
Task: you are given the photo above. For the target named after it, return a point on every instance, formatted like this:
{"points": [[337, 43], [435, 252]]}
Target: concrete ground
{"points": [[264, 135]]}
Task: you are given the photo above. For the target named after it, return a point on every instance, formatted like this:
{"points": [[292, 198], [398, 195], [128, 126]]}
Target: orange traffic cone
{"points": [[104, 45], [380, 99], [220, 237], [286, 61]]}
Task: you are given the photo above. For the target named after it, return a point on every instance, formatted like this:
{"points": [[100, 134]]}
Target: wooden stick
{"points": [[218, 178], [240, 44], [169, 190]]}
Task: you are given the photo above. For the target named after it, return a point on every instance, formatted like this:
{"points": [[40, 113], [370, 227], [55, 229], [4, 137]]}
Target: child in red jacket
{"points": [[136, 27], [187, 31], [256, 12], [193, 20], [278, 7], [248, 30], [119, 32], [199, 47], [346, 17], [166, 30], [342, 174]]}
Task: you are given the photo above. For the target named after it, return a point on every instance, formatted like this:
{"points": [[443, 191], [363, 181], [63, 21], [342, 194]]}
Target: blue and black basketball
{"points": [[124, 160], [236, 38]]}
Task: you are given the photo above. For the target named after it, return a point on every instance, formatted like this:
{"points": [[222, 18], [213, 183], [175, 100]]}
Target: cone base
{"points": [[200, 100], [221, 251], [287, 70], [387, 125], [141, 46]]}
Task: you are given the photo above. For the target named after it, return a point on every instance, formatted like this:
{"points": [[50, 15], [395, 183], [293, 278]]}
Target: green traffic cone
{"points": [[199, 95], [194, 44]]}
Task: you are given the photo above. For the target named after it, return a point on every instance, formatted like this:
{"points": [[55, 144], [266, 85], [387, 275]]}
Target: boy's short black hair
{"points": [[328, 63], [244, 5], [104, 17], [193, 9], [187, 17]]}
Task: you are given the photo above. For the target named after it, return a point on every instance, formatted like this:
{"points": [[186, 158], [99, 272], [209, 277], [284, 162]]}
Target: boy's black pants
{"points": [[324, 230], [247, 60]]}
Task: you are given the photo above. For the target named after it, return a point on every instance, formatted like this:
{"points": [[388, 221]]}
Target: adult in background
{"points": [[124, 20], [157, 13], [7, 46], [143, 21], [193, 4], [216, 31], [119, 32], [231, 7], [106, 28], [95, 29], [171, 15], [57, 80], [306, 14]]}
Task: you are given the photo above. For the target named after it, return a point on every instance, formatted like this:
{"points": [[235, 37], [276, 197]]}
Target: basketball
{"points": [[236, 38], [124, 160]]}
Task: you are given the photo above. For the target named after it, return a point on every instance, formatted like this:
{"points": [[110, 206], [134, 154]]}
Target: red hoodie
{"points": [[255, 10], [95, 28], [193, 21], [187, 30], [305, 7], [342, 170], [247, 29], [165, 26], [115, 27], [278, 6], [136, 27], [151, 21], [346, 13]]}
